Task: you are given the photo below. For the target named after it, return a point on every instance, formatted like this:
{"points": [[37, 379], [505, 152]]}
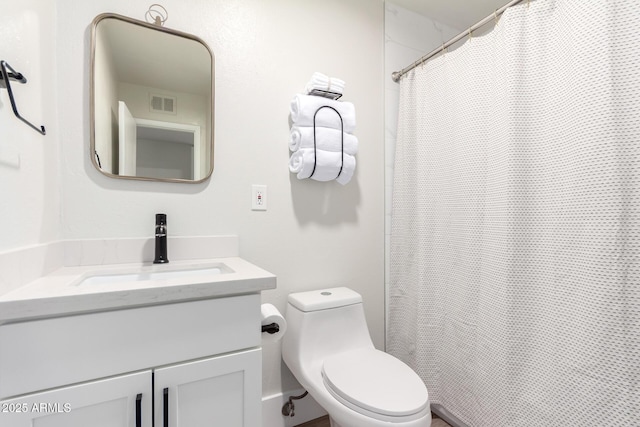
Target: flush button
{"points": [[325, 293]]}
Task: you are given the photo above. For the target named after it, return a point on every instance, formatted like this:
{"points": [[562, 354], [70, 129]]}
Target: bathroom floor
{"points": [[324, 422]]}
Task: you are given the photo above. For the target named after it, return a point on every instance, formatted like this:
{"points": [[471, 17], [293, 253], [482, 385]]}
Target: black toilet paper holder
{"points": [[271, 328]]}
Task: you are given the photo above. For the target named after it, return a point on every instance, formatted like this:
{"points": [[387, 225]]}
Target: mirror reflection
{"points": [[152, 102]]}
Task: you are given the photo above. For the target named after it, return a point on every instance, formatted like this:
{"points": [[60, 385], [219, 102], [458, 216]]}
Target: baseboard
{"points": [[306, 409], [451, 419]]}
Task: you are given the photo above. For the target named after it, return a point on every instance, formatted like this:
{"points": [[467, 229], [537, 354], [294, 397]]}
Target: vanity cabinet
{"points": [[219, 391], [195, 363], [113, 402]]}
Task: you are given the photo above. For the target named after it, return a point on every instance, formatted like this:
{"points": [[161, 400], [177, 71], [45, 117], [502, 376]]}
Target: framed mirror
{"points": [[152, 102]]}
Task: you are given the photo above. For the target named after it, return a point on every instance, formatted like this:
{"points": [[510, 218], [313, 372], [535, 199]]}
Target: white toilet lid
{"points": [[375, 381]]}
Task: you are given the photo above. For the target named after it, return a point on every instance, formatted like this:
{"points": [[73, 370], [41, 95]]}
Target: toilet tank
{"points": [[322, 323], [324, 299]]}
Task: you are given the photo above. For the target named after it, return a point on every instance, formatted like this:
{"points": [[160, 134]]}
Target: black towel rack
{"points": [[315, 151], [5, 78], [325, 94]]}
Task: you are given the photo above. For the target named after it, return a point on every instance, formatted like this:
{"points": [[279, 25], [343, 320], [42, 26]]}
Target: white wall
{"points": [[314, 234], [29, 162]]}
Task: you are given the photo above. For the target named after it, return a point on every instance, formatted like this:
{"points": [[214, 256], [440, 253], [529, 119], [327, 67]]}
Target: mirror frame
{"points": [[94, 28]]}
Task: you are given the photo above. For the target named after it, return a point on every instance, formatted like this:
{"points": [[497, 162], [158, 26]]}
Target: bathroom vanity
{"points": [[134, 345]]}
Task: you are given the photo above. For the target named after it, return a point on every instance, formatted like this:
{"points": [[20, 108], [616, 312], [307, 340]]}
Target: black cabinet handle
{"points": [[165, 409], [139, 410]]}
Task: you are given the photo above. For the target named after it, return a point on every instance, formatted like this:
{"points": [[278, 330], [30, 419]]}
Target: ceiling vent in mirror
{"points": [[163, 104]]}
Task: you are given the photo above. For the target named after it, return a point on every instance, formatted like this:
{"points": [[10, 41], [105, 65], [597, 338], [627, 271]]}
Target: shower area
{"points": [[513, 231]]}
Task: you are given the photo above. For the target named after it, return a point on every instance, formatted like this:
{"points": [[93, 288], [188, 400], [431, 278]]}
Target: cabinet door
{"points": [[224, 391], [123, 401]]}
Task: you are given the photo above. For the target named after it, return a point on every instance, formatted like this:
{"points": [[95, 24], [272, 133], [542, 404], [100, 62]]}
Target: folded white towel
{"points": [[320, 81], [326, 139], [304, 107], [327, 165]]}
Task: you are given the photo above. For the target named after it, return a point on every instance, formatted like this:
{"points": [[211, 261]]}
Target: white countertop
{"points": [[59, 293]]}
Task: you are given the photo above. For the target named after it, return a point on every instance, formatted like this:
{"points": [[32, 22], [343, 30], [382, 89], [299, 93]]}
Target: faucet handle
{"points": [[161, 219]]}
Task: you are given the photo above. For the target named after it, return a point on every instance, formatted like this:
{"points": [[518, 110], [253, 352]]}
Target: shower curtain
{"points": [[515, 238]]}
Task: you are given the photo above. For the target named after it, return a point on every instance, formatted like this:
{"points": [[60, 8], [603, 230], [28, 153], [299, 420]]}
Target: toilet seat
{"points": [[376, 384]]}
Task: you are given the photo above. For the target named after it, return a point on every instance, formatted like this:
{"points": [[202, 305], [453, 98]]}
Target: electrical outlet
{"points": [[258, 197]]}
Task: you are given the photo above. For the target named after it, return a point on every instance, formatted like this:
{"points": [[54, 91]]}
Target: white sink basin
{"points": [[106, 286], [155, 273]]}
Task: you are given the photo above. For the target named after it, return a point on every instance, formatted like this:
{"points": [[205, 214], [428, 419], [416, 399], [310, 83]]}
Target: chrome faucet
{"points": [[161, 239]]}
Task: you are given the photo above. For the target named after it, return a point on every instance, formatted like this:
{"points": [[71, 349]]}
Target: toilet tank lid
{"points": [[323, 299]]}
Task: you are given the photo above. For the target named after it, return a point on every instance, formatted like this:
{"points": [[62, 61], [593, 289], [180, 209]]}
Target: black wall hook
{"points": [[5, 78]]}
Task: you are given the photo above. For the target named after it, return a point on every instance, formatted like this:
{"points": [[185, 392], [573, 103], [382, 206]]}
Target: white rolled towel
{"points": [[320, 81], [304, 107], [327, 165], [326, 139]]}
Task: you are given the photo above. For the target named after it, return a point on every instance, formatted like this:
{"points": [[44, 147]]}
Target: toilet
{"points": [[328, 349]]}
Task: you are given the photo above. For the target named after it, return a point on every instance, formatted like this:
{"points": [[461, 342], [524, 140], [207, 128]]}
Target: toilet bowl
{"points": [[328, 349]]}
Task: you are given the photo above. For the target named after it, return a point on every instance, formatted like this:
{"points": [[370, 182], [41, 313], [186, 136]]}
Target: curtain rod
{"points": [[396, 75]]}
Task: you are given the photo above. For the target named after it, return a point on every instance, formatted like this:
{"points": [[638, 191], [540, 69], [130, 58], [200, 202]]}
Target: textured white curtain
{"points": [[515, 240]]}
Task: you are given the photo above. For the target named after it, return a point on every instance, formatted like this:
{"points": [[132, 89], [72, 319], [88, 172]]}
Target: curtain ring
{"points": [[470, 36], [157, 15], [495, 16]]}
